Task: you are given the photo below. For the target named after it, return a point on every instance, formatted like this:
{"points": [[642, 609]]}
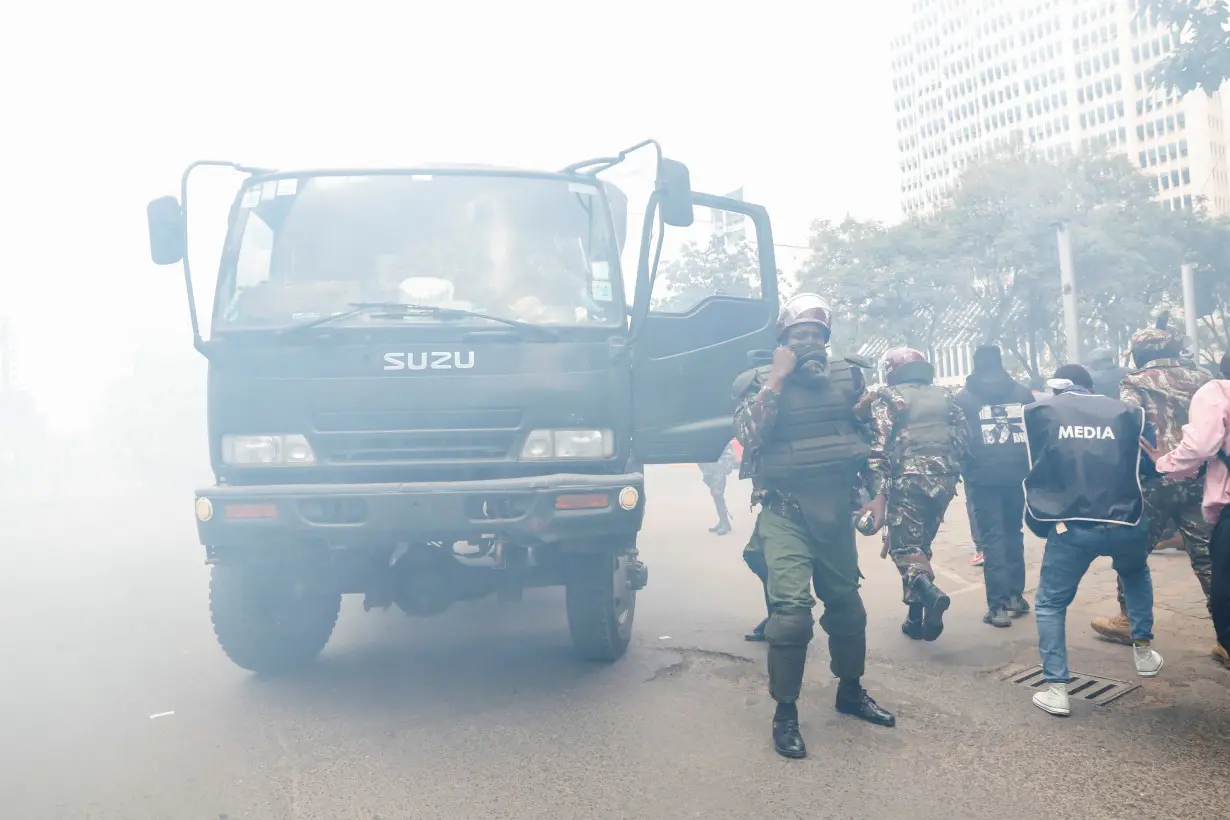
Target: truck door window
{"points": [[717, 256]]}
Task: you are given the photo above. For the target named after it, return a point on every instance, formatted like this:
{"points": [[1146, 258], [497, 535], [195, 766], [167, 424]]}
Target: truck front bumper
{"points": [[542, 509]]}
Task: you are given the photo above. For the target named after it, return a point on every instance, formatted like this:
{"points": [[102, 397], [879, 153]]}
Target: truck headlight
{"points": [[541, 445], [273, 451]]}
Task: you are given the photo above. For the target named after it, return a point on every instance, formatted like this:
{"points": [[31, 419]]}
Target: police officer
{"points": [[1083, 496], [1163, 387], [714, 475], [1187, 356], [919, 441], [1105, 373], [804, 452], [753, 556]]}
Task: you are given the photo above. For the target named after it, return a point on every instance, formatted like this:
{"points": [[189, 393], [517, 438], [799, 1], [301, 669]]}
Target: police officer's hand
{"points": [[876, 507], [784, 363]]}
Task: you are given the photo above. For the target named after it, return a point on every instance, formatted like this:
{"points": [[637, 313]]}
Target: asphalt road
{"points": [[483, 712]]}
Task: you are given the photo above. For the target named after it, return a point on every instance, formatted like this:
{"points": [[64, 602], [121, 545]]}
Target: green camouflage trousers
{"points": [[916, 507], [1176, 505]]}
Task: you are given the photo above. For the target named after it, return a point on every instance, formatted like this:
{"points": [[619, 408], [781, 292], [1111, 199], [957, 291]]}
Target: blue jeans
{"points": [[1066, 560]]}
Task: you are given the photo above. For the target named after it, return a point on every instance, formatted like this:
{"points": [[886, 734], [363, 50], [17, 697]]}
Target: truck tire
{"points": [[601, 604], [267, 620]]}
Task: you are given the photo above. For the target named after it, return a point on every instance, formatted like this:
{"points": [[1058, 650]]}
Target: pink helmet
{"points": [[898, 358]]}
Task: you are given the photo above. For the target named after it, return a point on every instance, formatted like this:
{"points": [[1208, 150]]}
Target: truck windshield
{"points": [[534, 249]]}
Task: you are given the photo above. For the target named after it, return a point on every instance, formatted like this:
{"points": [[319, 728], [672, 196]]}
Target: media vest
{"points": [[815, 433], [1084, 457]]}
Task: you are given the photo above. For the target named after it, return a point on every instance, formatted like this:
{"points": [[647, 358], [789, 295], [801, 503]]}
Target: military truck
{"points": [[427, 385]]}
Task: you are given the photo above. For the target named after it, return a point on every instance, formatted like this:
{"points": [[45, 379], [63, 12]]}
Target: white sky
{"points": [[103, 104]]}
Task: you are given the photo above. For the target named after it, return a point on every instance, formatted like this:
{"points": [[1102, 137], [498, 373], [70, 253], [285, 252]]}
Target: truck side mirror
{"points": [[166, 230], [675, 190]]}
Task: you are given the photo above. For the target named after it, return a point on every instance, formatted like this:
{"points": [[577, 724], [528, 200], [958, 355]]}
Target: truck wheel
{"points": [[601, 604], [267, 619]]}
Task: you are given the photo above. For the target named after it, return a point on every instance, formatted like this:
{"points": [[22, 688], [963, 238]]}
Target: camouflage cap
{"points": [[1157, 340]]}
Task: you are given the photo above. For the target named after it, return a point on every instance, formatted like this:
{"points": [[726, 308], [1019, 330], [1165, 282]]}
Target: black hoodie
{"points": [[992, 402]]}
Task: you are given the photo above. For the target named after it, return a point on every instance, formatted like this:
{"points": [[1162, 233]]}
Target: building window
{"points": [[1187, 176], [1143, 161]]}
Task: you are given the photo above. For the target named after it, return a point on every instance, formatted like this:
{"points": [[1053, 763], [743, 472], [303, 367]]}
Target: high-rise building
{"points": [[971, 76]]}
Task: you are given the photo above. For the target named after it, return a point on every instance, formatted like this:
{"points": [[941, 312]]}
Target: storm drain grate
{"points": [[1091, 688]]}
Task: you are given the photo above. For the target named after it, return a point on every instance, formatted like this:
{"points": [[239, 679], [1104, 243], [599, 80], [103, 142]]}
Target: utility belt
{"points": [[781, 504]]}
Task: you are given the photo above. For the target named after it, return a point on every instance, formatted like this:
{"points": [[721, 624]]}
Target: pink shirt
{"points": [[1207, 431]]}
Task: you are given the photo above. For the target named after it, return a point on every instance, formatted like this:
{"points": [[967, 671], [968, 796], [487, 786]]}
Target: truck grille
{"points": [[400, 437]]}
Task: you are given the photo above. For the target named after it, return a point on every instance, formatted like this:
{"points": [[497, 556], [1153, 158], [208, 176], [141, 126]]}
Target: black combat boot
{"points": [[786, 737], [757, 633], [935, 604], [852, 699], [913, 625]]}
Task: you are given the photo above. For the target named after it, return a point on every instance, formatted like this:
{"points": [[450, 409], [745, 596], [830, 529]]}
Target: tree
{"points": [[1201, 33], [706, 270], [985, 265], [890, 283]]}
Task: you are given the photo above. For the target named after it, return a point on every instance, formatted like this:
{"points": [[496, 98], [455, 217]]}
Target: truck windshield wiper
{"points": [[399, 309]]}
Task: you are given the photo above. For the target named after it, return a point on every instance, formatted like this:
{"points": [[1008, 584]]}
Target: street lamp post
{"points": [[1188, 271], [1067, 279]]}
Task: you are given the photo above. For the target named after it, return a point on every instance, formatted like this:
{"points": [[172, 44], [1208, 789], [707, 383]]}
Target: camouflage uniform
{"points": [[1164, 389], [919, 487], [714, 474]]}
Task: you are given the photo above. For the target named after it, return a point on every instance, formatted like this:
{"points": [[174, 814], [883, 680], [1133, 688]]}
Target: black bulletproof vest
{"points": [[1084, 456], [926, 429], [814, 433]]}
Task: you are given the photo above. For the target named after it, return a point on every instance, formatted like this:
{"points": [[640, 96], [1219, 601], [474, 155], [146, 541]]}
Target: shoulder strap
{"points": [[745, 380]]}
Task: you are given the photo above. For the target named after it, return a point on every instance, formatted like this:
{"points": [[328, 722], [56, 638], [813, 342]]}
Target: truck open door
{"points": [[712, 300]]}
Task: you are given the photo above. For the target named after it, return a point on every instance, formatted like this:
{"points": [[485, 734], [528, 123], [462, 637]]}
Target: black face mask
{"points": [[810, 352], [813, 362]]}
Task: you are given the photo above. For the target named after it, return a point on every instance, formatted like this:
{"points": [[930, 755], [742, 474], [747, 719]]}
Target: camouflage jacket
{"points": [[1164, 389], [756, 414], [881, 408]]}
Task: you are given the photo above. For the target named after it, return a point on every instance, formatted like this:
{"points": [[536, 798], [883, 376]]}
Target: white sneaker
{"points": [[1053, 699], [1148, 662]]}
